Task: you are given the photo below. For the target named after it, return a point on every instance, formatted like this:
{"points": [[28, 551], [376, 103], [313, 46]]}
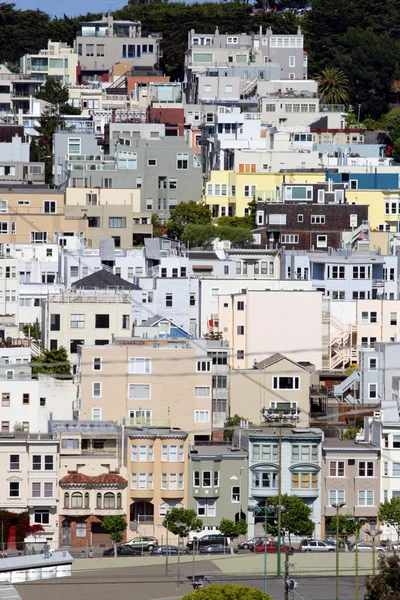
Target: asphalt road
{"points": [[151, 583]]}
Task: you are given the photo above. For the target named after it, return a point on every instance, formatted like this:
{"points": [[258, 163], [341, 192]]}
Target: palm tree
{"points": [[333, 86]]}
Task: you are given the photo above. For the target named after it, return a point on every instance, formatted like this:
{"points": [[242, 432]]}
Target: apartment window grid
{"points": [[336, 468], [206, 508], [305, 453], [336, 497], [265, 452], [366, 469], [139, 366], [365, 498], [304, 480]]}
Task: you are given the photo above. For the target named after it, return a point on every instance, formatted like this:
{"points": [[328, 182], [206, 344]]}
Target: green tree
{"points": [[187, 213], [393, 124], [333, 85], [295, 518], [231, 529], [396, 150], [389, 513], [237, 235], [115, 526], [185, 516], [199, 235], [53, 91], [228, 591], [32, 331], [385, 585], [232, 422], [350, 433], [52, 362], [214, 335], [347, 526]]}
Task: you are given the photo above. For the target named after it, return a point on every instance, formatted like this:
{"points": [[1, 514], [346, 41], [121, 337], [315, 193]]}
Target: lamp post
{"points": [[358, 523], [338, 506], [264, 511], [178, 583], [240, 492], [166, 535], [373, 533]]}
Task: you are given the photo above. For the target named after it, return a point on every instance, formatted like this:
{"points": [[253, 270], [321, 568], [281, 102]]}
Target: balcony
{"points": [[378, 283], [42, 502]]}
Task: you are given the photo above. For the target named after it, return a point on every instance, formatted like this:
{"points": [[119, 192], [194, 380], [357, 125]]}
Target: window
{"points": [[48, 490], [206, 480], [25, 398], [202, 391], [366, 469], [5, 426], [37, 237], [318, 219], [365, 498], [139, 391], [336, 497], [292, 61], [304, 453], [42, 516], [289, 238], [74, 146], [168, 300], [372, 364], [14, 462], [36, 462], [5, 399], [96, 389], [203, 366], [304, 480], [97, 363], [49, 462], [25, 426], [102, 321], [13, 489], [50, 206], [395, 469], [322, 241], [393, 318], [235, 494], [76, 500], [139, 366], [201, 416], [3, 227], [286, 383], [372, 390], [396, 441], [336, 468], [240, 305], [81, 530], [96, 414], [77, 321], [240, 330], [182, 161], [206, 508], [263, 479], [55, 322], [116, 222], [240, 354], [250, 191]]}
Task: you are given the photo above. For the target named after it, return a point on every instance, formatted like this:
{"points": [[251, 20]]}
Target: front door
{"points": [[66, 533]]}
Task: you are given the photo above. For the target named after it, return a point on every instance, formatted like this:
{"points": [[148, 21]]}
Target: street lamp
{"points": [[373, 533], [166, 554], [358, 523], [264, 511], [338, 506], [178, 583]]}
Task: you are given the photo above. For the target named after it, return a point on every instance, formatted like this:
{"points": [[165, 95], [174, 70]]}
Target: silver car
{"points": [[315, 546], [367, 547]]}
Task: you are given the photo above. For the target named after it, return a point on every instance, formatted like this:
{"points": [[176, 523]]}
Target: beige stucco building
{"points": [[277, 384], [261, 323], [350, 474], [157, 460], [147, 382], [37, 215]]}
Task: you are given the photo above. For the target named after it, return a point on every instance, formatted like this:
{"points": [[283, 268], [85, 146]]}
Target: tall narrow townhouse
{"points": [[29, 475], [157, 461]]}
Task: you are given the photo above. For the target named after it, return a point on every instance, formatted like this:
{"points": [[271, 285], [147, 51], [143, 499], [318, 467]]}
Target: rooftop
{"points": [[104, 280], [334, 443], [217, 449], [155, 432], [87, 427]]}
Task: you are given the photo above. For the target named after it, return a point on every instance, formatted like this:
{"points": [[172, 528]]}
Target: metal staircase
{"points": [[250, 87]]}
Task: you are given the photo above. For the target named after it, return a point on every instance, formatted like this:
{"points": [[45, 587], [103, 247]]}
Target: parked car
{"points": [[332, 542], [271, 547], [366, 547], [143, 542], [207, 540], [216, 549], [249, 543], [122, 551], [315, 546], [162, 551]]}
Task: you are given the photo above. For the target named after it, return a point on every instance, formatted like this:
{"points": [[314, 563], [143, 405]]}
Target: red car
{"points": [[271, 547]]}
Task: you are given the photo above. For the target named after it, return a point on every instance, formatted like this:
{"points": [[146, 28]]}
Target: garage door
{"points": [[99, 536]]}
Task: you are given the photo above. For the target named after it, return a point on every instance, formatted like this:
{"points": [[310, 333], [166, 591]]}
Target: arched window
{"points": [[66, 500], [87, 500], [109, 500], [98, 501], [76, 500], [119, 501]]}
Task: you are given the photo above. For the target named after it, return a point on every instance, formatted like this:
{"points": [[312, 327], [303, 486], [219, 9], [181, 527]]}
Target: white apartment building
{"points": [[57, 60], [29, 472]]}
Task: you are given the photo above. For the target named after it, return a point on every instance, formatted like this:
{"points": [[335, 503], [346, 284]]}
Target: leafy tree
{"points": [[333, 85], [53, 91], [385, 585], [199, 235], [32, 331], [232, 422], [214, 335], [237, 235], [389, 513], [350, 433], [187, 213], [295, 518], [231, 529], [52, 362], [228, 591], [347, 526], [393, 124], [182, 515], [396, 150], [115, 527]]}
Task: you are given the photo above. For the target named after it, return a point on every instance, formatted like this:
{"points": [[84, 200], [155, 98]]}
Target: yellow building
{"points": [[384, 207], [228, 193]]}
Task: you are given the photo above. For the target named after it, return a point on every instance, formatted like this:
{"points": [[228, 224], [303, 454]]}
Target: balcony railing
{"points": [[332, 108]]}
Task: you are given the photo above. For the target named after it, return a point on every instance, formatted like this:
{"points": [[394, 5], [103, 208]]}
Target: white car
{"points": [[315, 546], [367, 547]]}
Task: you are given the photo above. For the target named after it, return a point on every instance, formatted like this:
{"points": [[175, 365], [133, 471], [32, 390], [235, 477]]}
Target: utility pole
{"points": [[278, 558]]}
